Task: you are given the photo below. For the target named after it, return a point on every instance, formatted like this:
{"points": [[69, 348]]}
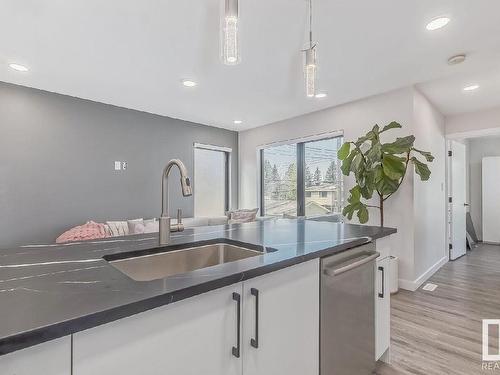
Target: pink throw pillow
{"points": [[88, 231]]}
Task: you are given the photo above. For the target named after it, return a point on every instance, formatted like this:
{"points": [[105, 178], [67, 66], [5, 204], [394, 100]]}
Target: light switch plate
{"points": [[118, 165]]}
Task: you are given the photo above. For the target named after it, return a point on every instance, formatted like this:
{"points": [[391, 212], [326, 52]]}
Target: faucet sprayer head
{"points": [[186, 186]]}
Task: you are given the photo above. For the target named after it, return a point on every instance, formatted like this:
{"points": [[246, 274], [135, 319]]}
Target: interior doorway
{"points": [[473, 188]]}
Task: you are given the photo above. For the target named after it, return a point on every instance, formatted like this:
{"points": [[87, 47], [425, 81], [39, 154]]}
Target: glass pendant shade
{"points": [[310, 72], [230, 35]]}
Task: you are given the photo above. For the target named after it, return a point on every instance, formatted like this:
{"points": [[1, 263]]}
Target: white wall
{"points": [[474, 124], [479, 148], [355, 119], [430, 196]]}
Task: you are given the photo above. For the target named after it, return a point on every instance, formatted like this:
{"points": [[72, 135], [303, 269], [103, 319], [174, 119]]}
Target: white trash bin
{"points": [[393, 274]]}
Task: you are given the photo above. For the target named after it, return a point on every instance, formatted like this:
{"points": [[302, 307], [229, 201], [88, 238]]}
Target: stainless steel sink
{"points": [[160, 265]]}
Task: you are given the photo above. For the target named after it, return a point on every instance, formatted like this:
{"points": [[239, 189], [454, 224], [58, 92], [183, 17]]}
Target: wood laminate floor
{"points": [[439, 333]]}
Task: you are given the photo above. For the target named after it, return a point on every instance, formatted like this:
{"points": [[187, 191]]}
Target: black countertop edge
{"points": [[54, 331]]}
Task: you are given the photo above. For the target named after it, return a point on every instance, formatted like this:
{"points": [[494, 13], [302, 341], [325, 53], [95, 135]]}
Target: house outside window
{"points": [[302, 179]]}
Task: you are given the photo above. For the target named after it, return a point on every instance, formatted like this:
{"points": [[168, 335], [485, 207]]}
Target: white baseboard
{"points": [[415, 284]]}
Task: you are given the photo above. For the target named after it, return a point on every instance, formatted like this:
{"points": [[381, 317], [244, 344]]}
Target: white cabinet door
{"points": [[53, 357], [382, 308], [189, 337], [286, 339]]}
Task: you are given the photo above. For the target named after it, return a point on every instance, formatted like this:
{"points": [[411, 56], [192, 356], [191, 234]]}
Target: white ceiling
{"points": [[450, 98], [134, 53]]}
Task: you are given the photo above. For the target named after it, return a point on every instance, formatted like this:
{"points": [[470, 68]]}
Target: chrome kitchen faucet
{"points": [[165, 227]]}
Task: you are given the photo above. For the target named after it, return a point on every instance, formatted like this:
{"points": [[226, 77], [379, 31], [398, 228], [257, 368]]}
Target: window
{"points": [[211, 180], [301, 179], [279, 177]]}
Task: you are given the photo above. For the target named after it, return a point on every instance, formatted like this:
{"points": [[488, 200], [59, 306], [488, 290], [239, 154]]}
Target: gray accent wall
{"points": [[57, 158]]}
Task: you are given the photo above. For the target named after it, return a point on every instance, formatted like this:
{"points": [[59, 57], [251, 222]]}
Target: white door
{"points": [[458, 204], [281, 322], [190, 337]]}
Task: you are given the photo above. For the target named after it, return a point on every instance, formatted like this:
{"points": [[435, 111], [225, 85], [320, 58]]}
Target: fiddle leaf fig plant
{"points": [[379, 169]]}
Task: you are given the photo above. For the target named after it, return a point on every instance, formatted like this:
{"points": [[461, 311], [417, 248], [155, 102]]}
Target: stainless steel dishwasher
{"points": [[347, 323]]}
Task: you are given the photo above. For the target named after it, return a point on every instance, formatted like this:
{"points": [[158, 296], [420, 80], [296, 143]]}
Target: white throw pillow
{"points": [[118, 228], [132, 224], [149, 221], [151, 226]]}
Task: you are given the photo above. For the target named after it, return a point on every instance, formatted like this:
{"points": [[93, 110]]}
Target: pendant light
{"points": [[230, 43], [310, 60]]}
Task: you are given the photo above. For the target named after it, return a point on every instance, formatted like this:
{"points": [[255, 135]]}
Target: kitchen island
{"points": [[62, 295]]}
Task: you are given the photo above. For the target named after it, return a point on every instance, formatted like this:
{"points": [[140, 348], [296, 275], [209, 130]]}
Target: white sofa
{"points": [[202, 221]]}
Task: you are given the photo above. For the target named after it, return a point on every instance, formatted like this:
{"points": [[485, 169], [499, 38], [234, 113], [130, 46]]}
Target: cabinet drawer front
{"points": [[281, 337], [194, 336], [53, 357]]}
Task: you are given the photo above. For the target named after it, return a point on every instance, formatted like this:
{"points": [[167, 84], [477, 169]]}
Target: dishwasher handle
{"points": [[331, 271]]}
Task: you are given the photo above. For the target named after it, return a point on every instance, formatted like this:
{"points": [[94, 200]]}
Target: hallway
{"points": [[439, 333]]}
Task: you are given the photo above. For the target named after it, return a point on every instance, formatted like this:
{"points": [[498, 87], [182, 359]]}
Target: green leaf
{"points": [[363, 214], [426, 154], [370, 135], [385, 185], [343, 152], [357, 163], [355, 194], [421, 169], [367, 192], [392, 125], [348, 211], [394, 166], [346, 164], [399, 146], [374, 154]]}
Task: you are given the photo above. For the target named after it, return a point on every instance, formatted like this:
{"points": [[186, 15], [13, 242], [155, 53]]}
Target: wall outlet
{"points": [[124, 165], [118, 165]]}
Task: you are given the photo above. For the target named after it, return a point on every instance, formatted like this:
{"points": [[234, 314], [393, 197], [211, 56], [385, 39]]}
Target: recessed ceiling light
{"points": [[471, 88], [237, 122], [437, 23], [18, 67], [320, 95], [189, 83]]}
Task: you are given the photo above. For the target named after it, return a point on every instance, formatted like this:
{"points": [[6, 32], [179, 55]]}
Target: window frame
{"points": [[300, 143]]}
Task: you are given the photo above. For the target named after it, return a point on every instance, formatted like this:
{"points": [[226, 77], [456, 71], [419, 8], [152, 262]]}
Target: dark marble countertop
{"points": [[50, 291]]}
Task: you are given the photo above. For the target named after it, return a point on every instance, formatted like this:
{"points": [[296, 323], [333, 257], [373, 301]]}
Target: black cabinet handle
{"points": [[381, 295], [255, 341], [236, 349]]}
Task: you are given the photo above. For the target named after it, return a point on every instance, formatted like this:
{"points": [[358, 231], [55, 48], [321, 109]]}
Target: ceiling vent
{"points": [[455, 60]]}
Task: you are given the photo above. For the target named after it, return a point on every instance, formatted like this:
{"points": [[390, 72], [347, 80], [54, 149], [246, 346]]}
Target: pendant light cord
{"points": [[310, 23]]}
